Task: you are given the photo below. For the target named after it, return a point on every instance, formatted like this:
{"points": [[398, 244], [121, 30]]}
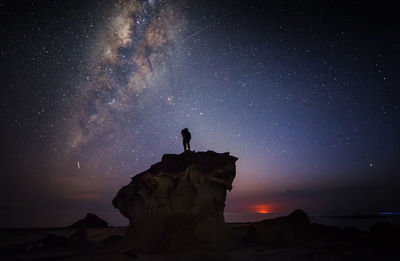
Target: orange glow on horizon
{"points": [[260, 208]]}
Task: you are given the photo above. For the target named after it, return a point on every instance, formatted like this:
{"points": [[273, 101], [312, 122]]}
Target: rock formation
{"points": [[178, 203], [90, 221], [295, 226]]}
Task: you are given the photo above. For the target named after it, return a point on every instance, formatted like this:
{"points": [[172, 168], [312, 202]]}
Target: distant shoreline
{"points": [[357, 217], [252, 217]]}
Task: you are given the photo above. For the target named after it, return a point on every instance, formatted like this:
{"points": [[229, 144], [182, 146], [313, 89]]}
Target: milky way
{"points": [[131, 72]]}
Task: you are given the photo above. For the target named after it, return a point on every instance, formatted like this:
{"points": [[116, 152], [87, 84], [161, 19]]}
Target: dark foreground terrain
{"points": [[285, 238]]}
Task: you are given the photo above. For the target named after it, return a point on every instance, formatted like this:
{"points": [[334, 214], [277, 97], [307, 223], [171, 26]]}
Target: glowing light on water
{"points": [[261, 208]]}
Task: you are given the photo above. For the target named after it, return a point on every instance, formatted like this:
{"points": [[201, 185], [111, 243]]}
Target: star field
{"points": [[303, 93]]}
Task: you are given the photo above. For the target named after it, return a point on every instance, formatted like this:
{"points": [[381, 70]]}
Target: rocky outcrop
{"points": [[90, 221], [384, 234], [179, 202], [295, 226]]}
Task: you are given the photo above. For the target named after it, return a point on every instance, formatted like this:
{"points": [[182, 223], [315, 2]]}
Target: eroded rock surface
{"points": [[179, 202]]}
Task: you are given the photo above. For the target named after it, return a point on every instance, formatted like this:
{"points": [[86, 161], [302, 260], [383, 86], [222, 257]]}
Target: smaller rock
{"points": [[79, 237], [325, 231], [384, 234], [112, 239], [131, 253], [283, 229], [353, 233], [90, 221], [50, 241]]}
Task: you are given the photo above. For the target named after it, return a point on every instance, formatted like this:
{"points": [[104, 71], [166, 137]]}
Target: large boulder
{"points": [[178, 203]]}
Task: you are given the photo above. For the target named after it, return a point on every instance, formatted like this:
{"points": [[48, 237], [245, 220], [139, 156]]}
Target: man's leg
{"points": [[188, 143]]}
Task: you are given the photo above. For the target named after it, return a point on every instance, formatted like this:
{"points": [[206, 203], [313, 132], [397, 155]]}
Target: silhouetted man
{"points": [[186, 139]]}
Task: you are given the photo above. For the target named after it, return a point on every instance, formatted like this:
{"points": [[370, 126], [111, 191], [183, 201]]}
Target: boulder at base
{"points": [[178, 203]]}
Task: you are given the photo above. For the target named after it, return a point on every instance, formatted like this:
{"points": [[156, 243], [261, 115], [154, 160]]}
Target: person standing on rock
{"points": [[186, 139]]}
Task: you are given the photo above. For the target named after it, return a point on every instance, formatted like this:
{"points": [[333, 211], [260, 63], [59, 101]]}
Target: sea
{"points": [[362, 222]]}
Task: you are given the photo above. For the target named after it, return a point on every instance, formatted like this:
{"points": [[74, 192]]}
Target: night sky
{"points": [[304, 93]]}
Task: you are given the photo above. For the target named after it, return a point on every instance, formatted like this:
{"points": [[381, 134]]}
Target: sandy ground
{"points": [[17, 242], [22, 236]]}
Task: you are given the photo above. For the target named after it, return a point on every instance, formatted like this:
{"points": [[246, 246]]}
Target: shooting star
{"points": [[196, 33]]}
